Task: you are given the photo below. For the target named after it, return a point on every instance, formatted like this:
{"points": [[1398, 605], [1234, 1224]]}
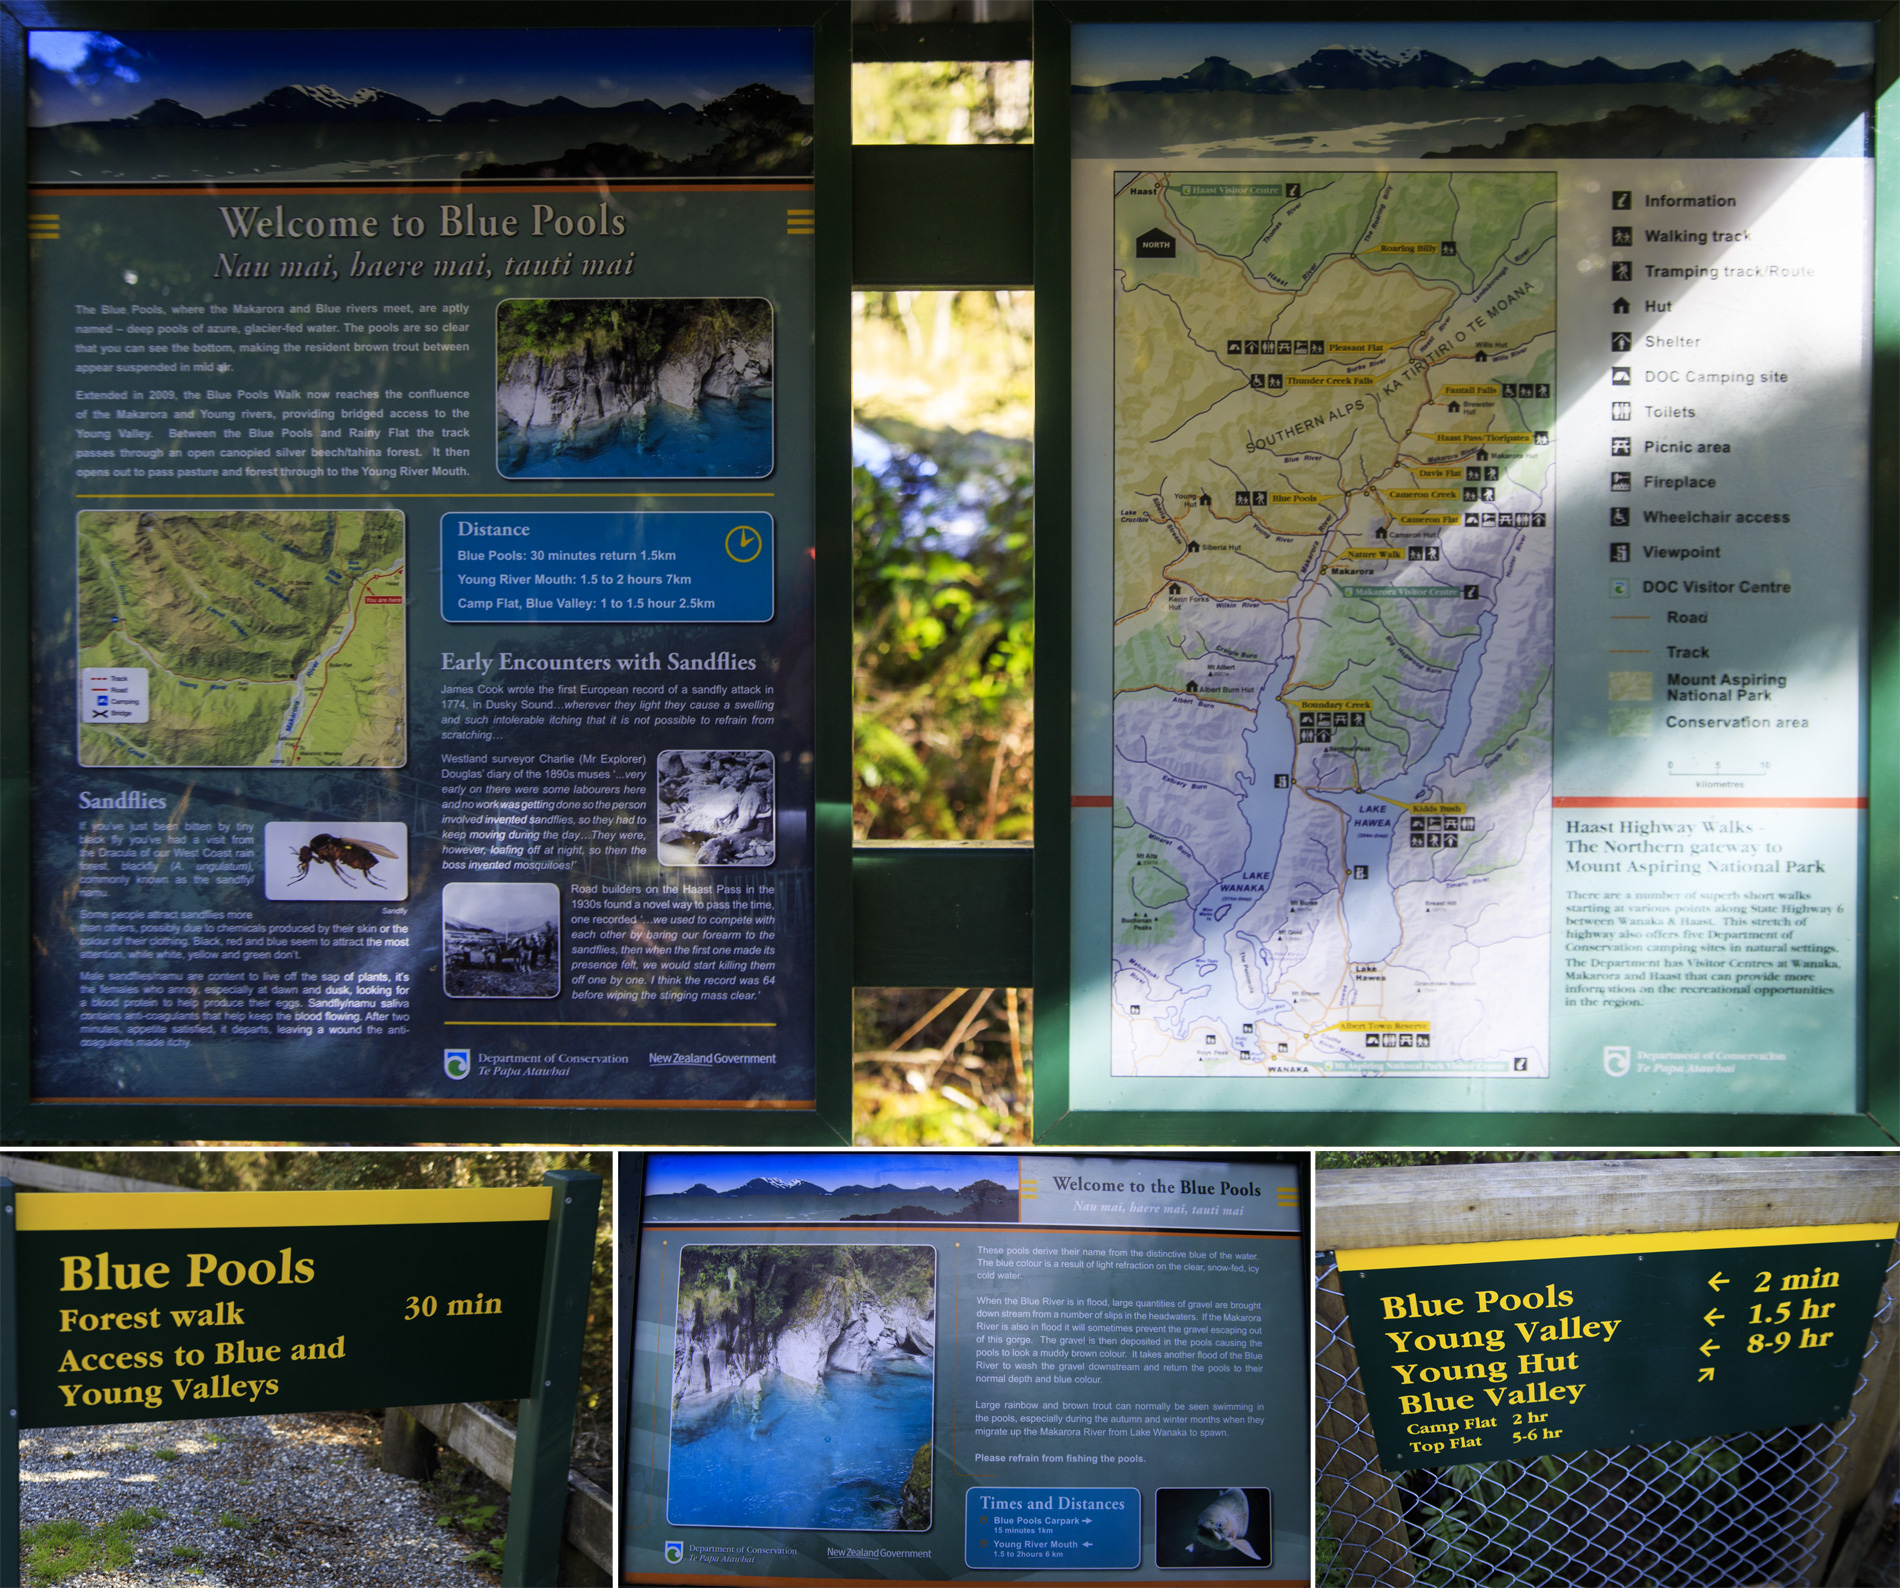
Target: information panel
{"points": [[1507, 1350], [928, 1367], [1472, 526], [423, 561]]}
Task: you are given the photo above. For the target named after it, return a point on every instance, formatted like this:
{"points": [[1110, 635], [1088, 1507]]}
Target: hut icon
{"points": [[1154, 244], [1174, 589], [1456, 409], [1481, 357], [1193, 688], [1194, 546]]}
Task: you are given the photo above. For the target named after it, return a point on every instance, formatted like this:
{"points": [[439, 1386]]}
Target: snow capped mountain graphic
{"points": [[306, 104], [767, 1185], [1345, 66]]}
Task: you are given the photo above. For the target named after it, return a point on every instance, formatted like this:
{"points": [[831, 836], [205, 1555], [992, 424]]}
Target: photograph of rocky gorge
{"points": [[803, 1383], [634, 388]]}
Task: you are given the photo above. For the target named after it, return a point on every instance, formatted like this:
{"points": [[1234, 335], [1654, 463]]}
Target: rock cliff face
{"points": [[586, 388], [828, 1331]]}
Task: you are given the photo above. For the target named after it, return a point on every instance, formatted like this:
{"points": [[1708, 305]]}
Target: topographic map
{"points": [[241, 638], [1333, 632]]}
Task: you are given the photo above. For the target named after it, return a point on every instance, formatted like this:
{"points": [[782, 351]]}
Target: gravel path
{"points": [[321, 1512]]}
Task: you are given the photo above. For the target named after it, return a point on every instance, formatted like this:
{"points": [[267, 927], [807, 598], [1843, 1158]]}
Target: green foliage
{"points": [[53, 1551], [940, 102], [635, 330], [944, 621], [761, 1288], [474, 1507], [235, 1519], [187, 1552], [491, 1557], [166, 1455]]}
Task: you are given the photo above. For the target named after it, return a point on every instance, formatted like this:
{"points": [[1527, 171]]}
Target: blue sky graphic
{"points": [[75, 76], [671, 1173]]}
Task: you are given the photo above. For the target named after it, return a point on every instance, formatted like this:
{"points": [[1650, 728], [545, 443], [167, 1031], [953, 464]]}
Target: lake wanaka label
{"points": [[1508, 1350], [136, 1308]]}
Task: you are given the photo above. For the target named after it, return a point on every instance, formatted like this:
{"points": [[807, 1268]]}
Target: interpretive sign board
{"points": [[423, 567], [1472, 517], [124, 1308], [1507, 1350], [909, 1365]]}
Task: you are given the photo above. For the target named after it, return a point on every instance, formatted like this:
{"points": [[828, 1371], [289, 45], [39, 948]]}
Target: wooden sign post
{"points": [[135, 1308]]}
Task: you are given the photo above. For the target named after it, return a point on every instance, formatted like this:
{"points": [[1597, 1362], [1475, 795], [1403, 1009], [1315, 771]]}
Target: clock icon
{"points": [[744, 543]]}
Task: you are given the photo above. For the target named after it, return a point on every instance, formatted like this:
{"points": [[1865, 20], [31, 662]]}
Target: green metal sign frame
{"points": [[552, 1339], [828, 1121], [1057, 1056]]}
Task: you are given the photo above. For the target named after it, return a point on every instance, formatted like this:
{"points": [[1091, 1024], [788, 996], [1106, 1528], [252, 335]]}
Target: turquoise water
{"points": [[720, 439], [833, 1456]]}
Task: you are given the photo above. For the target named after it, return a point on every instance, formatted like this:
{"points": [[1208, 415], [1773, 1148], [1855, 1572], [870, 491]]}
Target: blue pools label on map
{"points": [[1032, 1529], [607, 567]]}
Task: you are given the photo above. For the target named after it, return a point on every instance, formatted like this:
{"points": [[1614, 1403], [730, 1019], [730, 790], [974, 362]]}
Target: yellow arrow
{"points": [[1712, 1317], [1707, 1374], [1707, 1346], [1717, 1282]]}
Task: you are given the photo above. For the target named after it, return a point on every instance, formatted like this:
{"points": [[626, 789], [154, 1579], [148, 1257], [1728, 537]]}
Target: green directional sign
{"points": [[1506, 1350], [123, 1308], [137, 1307]]}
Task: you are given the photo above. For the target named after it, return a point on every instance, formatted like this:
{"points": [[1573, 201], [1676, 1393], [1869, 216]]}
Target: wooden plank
{"points": [[41, 1175], [477, 1433], [1363, 1208], [1373, 1545]]}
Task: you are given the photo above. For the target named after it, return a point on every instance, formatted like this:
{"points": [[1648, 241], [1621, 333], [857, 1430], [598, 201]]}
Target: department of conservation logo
{"points": [[675, 1552], [1616, 1061], [455, 1063]]}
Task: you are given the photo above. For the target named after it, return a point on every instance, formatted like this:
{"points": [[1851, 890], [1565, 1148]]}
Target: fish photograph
{"points": [[1225, 1528]]}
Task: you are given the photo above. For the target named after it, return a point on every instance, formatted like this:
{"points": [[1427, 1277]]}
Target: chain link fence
{"points": [[1739, 1511]]}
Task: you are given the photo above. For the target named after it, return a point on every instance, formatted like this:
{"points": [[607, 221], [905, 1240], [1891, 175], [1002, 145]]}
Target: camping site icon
{"points": [[1154, 244]]}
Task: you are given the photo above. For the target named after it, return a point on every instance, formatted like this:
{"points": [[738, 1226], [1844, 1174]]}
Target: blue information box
{"points": [[1007, 1529], [606, 567]]}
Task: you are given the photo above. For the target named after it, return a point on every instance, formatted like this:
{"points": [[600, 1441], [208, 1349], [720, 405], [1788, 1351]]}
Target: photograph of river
{"points": [[803, 1387], [634, 388]]}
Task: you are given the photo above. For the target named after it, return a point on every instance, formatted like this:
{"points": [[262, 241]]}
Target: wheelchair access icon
{"points": [[744, 543]]}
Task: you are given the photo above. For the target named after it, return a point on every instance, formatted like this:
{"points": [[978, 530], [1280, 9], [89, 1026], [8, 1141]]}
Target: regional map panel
{"points": [[422, 569], [911, 1366], [1470, 684]]}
